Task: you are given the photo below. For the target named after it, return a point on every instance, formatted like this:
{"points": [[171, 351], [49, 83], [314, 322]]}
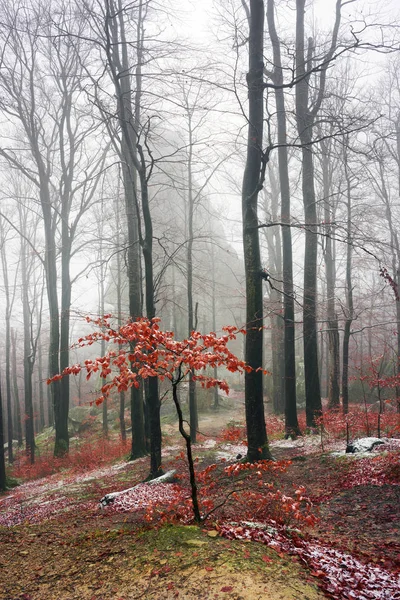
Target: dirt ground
{"points": [[106, 556]]}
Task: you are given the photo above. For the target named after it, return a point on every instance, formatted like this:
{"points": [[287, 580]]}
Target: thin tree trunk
{"points": [[42, 423], [3, 482], [8, 351], [330, 269], [119, 309], [349, 292], [214, 322], [15, 372], [194, 421], [28, 360]]}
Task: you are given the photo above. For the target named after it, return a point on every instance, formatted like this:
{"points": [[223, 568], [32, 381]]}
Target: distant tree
{"points": [[10, 297], [3, 482], [40, 83]]}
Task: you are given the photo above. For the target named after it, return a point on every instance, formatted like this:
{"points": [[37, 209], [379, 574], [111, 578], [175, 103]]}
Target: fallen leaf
{"points": [[213, 533]]}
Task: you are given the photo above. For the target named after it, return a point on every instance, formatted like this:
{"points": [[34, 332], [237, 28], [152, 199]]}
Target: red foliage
{"points": [[233, 433], [88, 455], [143, 350]]}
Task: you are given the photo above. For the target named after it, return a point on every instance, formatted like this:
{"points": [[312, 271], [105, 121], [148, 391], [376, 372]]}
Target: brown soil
{"points": [[104, 556], [109, 559]]}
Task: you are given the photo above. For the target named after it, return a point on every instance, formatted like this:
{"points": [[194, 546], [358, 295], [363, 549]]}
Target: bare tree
{"points": [[53, 155], [10, 297]]}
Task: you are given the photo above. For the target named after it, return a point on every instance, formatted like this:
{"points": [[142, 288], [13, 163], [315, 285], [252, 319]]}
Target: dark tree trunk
{"points": [[187, 438], [274, 245], [349, 291], [61, 438], [330, 269], [153, 399], [121, 73], [119, 310], [305, 125], [17, 411], [3, 482], [193, 418], [214, 322], [28, 362], [291, 422], [305, 118], [252, 183], [63, 410], [41, 390], [8, 353]]}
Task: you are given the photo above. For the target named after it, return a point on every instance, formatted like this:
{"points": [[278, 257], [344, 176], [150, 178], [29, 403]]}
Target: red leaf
{"points": [[267, 559], [227, 588]]}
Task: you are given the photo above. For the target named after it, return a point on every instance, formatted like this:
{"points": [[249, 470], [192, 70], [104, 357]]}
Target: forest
{"points": [[200, 302]]}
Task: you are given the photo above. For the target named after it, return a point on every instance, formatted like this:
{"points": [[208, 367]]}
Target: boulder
{"points": [[14, 445], [363, 445], [79, 419]]}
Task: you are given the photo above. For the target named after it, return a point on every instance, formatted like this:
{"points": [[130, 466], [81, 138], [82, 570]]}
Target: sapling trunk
{"points": [[186, 436]]}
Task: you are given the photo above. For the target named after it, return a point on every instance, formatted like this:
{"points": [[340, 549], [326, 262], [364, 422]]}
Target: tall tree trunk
{"points": [[42, 422], [7, 349], [330, 269], [305, 119], [349, 290], [304, 125], [252, 183], [119, 307], [291, 422], [129, 124], [28, 359], [214, 321], [15, 371], [194, 421], [153, 400], [3, 482]]}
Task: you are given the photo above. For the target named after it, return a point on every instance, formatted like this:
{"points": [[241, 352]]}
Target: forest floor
{"points": [[57, 544]]}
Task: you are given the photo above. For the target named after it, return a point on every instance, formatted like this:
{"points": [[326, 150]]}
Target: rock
{"points": [[79, 419], [363, 445], [14, 445]]}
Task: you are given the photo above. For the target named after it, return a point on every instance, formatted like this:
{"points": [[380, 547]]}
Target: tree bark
{"points": [[252, 183], [128, 119], [291, 422], [349, 290], [3, 482], [330, 269], [304, 126], [29, 359], [17, 405], [8, 310]]}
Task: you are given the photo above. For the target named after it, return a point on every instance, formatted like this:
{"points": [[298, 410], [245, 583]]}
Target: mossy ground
{"points": [[113, 559]]}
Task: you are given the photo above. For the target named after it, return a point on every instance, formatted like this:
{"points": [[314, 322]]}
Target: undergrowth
{"points": [[90, 453]]}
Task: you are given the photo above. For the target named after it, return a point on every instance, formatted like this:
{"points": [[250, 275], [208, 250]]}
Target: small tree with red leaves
{"points": [[140, 349]]}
